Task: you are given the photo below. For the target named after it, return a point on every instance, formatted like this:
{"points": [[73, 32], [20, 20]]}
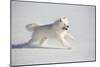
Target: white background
{"points": [[5, 32]]}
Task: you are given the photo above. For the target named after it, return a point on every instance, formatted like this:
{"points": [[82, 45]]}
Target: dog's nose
{"points": [[67, 26]]}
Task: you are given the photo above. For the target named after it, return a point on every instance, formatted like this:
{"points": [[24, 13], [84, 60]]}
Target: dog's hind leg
{"points": [[35, 40], [30, 42], [42, 40]]}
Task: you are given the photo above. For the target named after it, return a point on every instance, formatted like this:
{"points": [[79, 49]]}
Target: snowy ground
{"points": [[29, 55]]}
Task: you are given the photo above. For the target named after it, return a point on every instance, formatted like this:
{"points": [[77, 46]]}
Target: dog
{"points": [[57, 30]]}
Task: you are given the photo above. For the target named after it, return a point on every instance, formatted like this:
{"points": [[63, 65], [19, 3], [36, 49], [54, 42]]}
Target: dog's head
{"points": [[62, 23]]}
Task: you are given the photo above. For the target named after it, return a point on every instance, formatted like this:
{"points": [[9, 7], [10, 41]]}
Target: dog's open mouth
{"points": [[65, 28]]}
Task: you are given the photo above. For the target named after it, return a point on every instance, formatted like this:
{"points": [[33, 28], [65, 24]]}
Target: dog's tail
{"points": [[30, 27]]}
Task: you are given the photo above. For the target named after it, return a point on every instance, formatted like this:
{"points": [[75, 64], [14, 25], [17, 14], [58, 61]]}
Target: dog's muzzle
{"points": [[65, 28]]}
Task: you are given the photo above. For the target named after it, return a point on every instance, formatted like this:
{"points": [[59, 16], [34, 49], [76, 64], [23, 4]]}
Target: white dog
{"points": [[57, 30]]}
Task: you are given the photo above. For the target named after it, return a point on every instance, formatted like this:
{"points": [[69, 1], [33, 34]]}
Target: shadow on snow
{"points": [[26, 45]]}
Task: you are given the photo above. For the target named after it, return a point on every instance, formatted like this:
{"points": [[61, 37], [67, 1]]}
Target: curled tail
{"points": [[30, 27]]}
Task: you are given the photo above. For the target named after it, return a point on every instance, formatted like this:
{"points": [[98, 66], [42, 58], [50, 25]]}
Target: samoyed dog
{"points": [[58, 30]]}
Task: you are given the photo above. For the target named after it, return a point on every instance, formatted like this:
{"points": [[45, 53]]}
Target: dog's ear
{"points": [[64, 19]]}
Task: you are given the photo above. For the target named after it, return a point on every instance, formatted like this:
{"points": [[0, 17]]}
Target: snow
{"points": [[24, 54]]}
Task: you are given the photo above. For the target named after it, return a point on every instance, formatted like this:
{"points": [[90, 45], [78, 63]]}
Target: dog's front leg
{"points": [[64, 42], [70, 35]]}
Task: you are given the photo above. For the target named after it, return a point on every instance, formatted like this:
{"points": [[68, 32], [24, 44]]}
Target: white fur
{"points": [[43, 32]]}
